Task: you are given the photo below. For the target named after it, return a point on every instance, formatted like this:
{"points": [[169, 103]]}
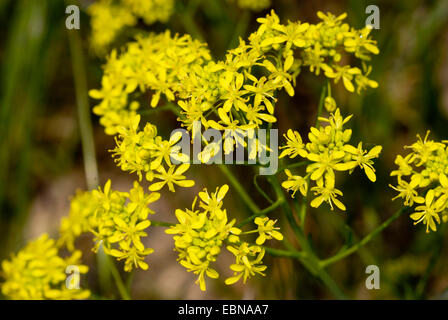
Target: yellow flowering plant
{"points": [[38, 272], [202, 231], [110, 17], [422, 181], [236, 96], [328, 151]]}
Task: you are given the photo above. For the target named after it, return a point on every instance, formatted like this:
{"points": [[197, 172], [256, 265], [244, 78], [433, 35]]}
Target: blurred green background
{"points": [[41, 158]]}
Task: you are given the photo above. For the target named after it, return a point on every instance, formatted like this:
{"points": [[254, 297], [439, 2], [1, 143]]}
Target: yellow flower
{"points": [[79, 220], [254, 116], [108, 18], [442, 201], [294, 145], [295, 183], [261, 88], [212, 202], [360, 44], [407, 191], [116, 219], [324, 163], [232, 94], [200, 234], [248, 262], [164, 150], [171, 177], [330, 104], [133, 256], [143, 151], [280, 75], [426, 167], [328, 150], [362, 159], [37, 272], [327, 193], [427, 213], [346, 73], [267, 230], [330, 19]]}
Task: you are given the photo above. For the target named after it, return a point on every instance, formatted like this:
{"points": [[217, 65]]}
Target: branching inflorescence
{"points": [[203, 230], [109, 18], [422, 181], [237, 93], [328, 151], [38, 272]]}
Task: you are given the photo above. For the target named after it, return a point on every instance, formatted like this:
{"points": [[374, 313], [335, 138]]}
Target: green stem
{"points": [[420, 290], [122, 288], [285, 253], [308, 258], [323, 94], [240, 29], [239, 188], [272, 207], [364, 241], [302, 213], [311, 263], [155, 223], [294, 165], [129, 280], [186, 16], [289, 215], [264, 194], [85, 123]]}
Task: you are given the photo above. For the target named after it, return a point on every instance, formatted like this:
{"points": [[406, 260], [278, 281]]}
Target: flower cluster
{"points": [[422, 180], [237, 93], [162, 63], [109, 17], [143, 151], [248, 257], [38, 272], [328, 151], [116, 219], [202, 231]]}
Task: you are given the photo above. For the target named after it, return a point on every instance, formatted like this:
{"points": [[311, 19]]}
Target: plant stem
{"points": [[285, 253], [272, 207], [240, 29], [420, 290], [155, 223], [311, 263], [186, 16], [264, 194], [289, 215], [323, 94], [239, 188], [85, 123], [307, 256], [118, 281], [294, 165], [364, 241], [302, 212]]}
